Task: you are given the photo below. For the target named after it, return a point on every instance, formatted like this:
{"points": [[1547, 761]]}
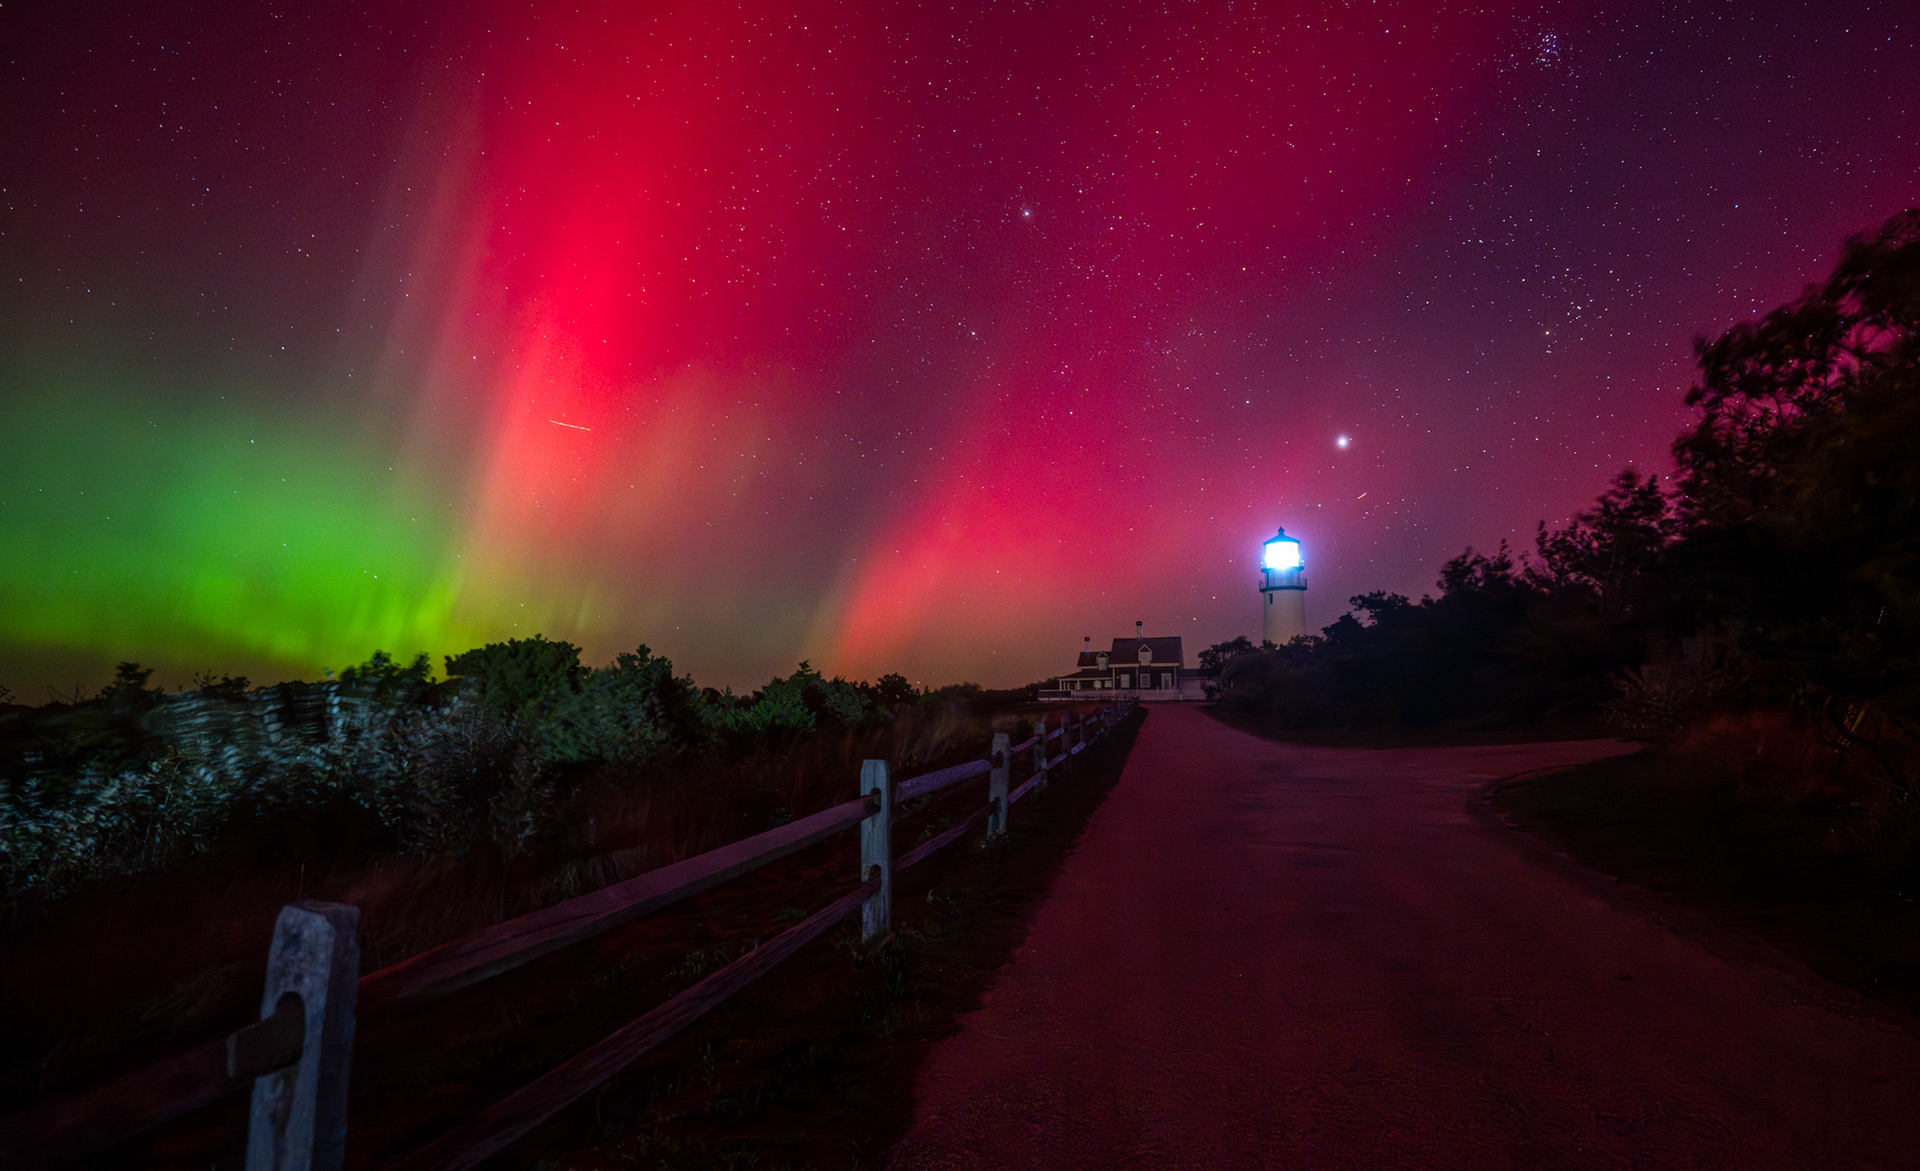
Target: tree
{"points": [[1801, 484], [627, 712], [1609, 545], [522, 677], [232, 688], [1380, 606], [893, 688], [1766, 386], [794, 704], [1477, 573], [382, 675], [1216, 656], [129, 687]]}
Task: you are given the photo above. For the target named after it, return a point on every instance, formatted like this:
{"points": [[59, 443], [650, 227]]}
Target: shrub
{"points": [[521, 678], [133, 779], [794, 704], [629, 712]]}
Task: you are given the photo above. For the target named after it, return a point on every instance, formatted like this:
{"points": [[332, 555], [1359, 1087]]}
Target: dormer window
{"points": [[1103, 660], [1146, 653]]}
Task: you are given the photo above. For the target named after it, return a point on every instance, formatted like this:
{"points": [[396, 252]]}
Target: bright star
{"points": [[1342, 441]]}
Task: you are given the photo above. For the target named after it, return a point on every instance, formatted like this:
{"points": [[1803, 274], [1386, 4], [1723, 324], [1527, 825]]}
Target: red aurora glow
{"points": [[932, 341], [657, 214]]}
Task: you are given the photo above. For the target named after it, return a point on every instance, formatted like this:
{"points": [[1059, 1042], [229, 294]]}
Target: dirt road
{"points": [[1267, 955]]}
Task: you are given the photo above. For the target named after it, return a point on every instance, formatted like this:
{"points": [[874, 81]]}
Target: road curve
{"points": [[1270, 955]]}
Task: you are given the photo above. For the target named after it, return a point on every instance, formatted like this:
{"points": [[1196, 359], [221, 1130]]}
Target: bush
{"points": [[132, 778], [797, 703], [627, 713], [522, 678]]}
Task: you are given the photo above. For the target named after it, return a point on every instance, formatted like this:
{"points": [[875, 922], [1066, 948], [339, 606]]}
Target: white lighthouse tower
{"points": [[1283, 590]]}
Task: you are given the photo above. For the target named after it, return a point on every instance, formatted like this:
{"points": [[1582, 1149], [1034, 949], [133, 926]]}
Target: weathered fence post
{"points": [[997, 784], [876, 852], [299, 1118], [1040, 755]]}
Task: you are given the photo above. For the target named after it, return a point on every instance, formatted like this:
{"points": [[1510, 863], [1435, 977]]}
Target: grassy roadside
{"points": [[1687, 831], [815, 1069], [811, 1067]]}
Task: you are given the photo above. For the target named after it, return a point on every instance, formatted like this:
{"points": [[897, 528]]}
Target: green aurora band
{"points": [[187, 530]]}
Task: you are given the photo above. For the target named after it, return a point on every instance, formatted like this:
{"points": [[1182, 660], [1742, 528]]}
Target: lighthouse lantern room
{"points": [[1283, 590]]}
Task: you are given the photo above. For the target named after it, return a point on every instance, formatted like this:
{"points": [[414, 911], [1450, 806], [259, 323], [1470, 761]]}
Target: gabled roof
{"points": [[1165, 650], [1126, 653]]}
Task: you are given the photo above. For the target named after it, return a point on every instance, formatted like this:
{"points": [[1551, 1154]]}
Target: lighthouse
{"points": [[1283, 590]]}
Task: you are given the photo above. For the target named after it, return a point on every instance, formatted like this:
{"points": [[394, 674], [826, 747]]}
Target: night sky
{"points": [[893, 337]]}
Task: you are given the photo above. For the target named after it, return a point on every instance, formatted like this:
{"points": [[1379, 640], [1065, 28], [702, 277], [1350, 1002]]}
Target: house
{"points": [[1143, 668]]}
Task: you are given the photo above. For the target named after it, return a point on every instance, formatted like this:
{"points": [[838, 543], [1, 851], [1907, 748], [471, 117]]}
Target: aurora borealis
{"points": [[893, 337]]}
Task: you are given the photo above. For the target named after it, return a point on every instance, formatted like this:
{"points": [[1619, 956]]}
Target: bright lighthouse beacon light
{"points": [[1282, 552], [1283, 590]]}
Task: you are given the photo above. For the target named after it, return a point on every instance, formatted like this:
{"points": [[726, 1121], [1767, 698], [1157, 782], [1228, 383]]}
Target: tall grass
{"points": [[520, 753]]}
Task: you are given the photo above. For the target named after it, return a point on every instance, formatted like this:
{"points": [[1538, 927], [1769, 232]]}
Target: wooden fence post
{"points": [[1040, 755], [876, 852], [997, 784], [299, 1118]]}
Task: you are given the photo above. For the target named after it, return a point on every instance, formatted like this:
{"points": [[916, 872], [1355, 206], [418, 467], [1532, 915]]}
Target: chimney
{"points": [[1139, 630]]}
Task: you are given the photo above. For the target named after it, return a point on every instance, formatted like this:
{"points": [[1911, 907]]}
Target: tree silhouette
{"points": [[1768, 389], [1216, 656], [1801, 488], [1611, 544]]}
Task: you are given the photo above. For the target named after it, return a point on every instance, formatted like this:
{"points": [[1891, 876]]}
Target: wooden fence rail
{"points": [[296, 1057]]}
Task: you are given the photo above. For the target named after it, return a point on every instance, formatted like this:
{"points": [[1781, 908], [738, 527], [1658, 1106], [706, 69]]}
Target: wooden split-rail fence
{"points": [[297, 1056]]}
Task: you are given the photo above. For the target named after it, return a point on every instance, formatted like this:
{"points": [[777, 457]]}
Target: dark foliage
{"points": [[1802, 491], [522, 677], [892, 689], [1216, 656], [1503, 642], [134, 779], [1607, 554]]}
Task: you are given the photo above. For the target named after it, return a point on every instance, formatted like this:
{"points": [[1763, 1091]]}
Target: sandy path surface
{"points": [[1267, 955]]}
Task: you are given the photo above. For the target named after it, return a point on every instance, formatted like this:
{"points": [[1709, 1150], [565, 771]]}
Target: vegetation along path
{"points": [[1266, 954]]}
